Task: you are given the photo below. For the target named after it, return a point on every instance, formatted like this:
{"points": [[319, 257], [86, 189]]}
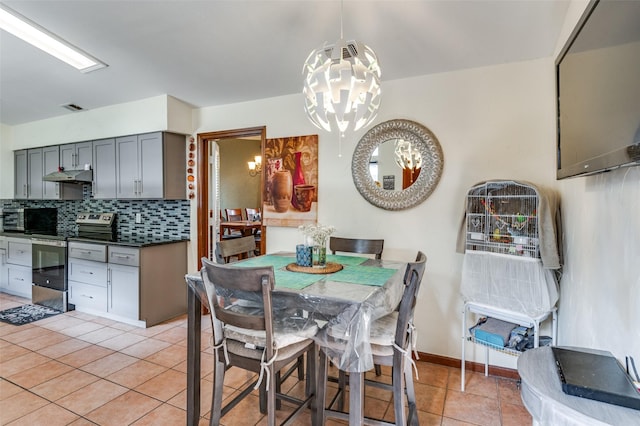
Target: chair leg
{"points": [[271, 397], [216, 398], [412, 417], [301, 367], [321, 387], [342, 389], [398, 375], [378, 369]]}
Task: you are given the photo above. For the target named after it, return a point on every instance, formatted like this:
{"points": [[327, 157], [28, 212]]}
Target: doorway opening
{"points": [[211, 185]]}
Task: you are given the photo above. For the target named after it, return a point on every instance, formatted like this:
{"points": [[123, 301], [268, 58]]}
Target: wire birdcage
{"points": [[502, 218]]}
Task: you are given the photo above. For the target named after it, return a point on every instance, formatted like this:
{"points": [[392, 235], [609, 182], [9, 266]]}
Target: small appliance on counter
{"points": [[30, 220]]}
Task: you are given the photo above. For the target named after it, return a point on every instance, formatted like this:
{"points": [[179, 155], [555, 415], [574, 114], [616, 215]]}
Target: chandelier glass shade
{"points": [[342, 86], [407, 156]]}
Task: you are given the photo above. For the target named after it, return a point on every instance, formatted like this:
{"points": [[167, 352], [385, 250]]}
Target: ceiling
{"points": [[208, 53]]}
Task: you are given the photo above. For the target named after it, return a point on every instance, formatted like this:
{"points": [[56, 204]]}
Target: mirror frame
{"points": [[430, 173]]}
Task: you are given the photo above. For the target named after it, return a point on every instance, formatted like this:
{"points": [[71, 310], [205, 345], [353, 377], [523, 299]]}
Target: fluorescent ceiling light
{"points": [[34, 34]]}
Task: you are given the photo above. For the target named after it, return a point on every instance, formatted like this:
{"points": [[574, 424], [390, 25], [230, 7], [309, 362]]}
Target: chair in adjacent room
{"points": [[251, 335], [391, 344], [255, 214], [356, 245], [228, 233], [233, 215]]}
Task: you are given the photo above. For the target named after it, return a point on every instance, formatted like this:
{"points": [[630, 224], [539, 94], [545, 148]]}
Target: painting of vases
{"points": [[291, 188]]}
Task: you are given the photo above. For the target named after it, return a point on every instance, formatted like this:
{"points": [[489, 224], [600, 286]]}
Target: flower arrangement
{"points": [[316, 232]]}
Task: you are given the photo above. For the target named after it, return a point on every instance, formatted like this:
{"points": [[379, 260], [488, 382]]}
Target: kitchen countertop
{"points": [[123, 240], [132, 240]]}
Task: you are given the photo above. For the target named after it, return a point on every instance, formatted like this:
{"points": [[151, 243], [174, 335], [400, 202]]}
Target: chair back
{"points": [[412, 279], [250, 213], [356, 245], [233, 294], [241, 247], [233, 215]]}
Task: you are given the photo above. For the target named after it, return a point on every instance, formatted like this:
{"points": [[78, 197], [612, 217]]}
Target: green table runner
{"points": [[352, 272]]}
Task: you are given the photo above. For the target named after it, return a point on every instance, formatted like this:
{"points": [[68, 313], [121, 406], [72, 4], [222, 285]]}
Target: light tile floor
{"points": [[79, 369]]}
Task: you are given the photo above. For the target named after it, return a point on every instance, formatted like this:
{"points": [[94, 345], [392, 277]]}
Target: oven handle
{"points": [[54, 243]]}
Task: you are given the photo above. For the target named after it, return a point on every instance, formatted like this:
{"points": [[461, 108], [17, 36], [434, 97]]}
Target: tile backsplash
{"points": [[160, 218]]}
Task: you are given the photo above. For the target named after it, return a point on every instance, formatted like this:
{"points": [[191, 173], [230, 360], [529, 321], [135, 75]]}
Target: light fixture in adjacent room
{"points": [[255, 166], [342, 85], [32, 33]]}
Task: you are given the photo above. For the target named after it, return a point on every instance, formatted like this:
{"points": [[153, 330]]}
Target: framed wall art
{"points": [[290, 188]]}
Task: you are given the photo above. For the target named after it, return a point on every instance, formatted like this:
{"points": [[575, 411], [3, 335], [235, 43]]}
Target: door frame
{"points": [[203, 181]]}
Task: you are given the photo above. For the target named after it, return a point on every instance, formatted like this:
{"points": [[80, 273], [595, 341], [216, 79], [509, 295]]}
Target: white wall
{"points": [[494, 122]]}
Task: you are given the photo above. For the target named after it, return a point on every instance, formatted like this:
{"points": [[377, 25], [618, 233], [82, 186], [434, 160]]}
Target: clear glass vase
{"points": [[319, 255]]}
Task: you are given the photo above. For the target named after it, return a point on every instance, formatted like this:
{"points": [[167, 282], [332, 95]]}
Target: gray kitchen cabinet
{"points": [[21, 175], [28, 173], [4, 268], [74, 156], [50, 163], [35, 173], [123, 290], [150, 165], [104, 168], [17, 266], [140, 286], [30, 166], [87, 280]]}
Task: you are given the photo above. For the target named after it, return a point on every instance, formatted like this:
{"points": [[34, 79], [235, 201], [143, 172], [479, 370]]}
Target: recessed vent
{"points": [[73, 107]]}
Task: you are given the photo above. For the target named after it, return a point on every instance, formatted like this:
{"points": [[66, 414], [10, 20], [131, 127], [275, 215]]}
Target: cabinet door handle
{"points": [[87, 296], [24, 190], [19, 279], [140, 187], [87, 272]]}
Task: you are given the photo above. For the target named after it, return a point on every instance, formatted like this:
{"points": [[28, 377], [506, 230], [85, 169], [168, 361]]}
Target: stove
{"points": [[97, 226]]}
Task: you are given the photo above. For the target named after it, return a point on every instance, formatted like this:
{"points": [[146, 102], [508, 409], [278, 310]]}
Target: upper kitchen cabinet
{"points": [[20, 174], [150, 165], [30, 166], [28, 174], [104, 168], [74, 156]]}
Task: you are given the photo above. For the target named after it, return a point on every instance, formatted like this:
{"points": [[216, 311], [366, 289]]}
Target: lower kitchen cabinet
{"points": [[141, 286], [123, 291], [15, 266]]}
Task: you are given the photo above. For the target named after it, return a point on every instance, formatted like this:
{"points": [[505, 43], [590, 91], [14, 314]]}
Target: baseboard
{"points": [[469, 365]]}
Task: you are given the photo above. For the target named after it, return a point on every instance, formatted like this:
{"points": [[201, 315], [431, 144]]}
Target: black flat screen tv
{"points": [[598, 91]]}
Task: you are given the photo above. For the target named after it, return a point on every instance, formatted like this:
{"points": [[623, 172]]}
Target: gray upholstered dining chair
{"points": [[250, 335], [356, 245], [391, 344], [360, 246], [239, 248]]}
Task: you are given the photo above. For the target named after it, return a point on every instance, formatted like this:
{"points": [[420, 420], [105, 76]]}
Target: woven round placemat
{"points": [[330, 268]]}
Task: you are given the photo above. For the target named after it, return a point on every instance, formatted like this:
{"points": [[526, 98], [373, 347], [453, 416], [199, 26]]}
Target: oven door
{"points": [[49, 264]]}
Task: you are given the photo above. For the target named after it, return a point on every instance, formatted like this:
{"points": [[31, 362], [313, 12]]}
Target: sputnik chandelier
{"points": [[342, 85], [407, 156]]}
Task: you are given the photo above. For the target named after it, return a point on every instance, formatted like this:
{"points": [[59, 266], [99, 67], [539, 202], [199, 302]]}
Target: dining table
{"points": [[353, 292], [246, 227]]}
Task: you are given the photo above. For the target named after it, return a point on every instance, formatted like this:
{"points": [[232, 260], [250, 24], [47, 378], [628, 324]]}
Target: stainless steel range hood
{"points": [[70, 176]]}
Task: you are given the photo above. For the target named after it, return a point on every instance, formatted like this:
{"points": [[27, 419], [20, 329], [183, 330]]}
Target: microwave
{"points": [[31, 220]]}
